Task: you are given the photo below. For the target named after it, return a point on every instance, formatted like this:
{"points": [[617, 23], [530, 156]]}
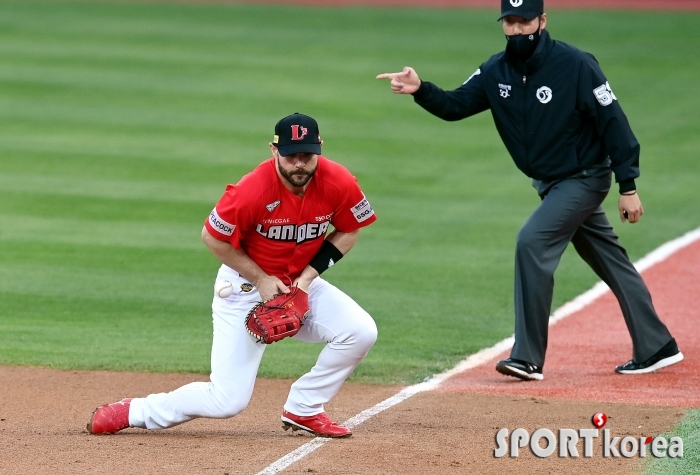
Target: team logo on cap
{"points": [[516, 3], [295, 132]]}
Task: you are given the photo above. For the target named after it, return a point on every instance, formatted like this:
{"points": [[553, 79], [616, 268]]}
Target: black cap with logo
{"points": [[297, 133], [528, 9]]}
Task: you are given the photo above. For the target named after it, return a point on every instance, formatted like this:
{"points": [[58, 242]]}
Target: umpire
{"points": [[564, 128]]}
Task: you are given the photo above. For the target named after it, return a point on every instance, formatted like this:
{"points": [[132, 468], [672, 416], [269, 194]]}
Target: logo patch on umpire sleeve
{"points": [[220, 225], [478, 71], [362, 210], [604, 94]]}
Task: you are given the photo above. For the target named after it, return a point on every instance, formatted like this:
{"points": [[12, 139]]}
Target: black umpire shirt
{"points": [[556, 113]]}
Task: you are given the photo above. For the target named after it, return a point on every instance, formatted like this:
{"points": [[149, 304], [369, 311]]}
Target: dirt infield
{"points": [[43, 415], [43, 412]]}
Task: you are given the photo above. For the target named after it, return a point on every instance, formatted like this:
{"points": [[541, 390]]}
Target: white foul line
{"points": [[660, 254]]}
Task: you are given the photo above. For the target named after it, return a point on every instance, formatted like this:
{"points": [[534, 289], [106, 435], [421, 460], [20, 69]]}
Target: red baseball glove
{"points": [[279, 317]]}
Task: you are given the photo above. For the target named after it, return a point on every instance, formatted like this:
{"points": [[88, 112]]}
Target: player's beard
{"points": [[298, 178]]}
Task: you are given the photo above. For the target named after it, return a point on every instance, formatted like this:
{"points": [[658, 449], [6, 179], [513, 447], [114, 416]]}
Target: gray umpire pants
{"points": [[570, 212]]}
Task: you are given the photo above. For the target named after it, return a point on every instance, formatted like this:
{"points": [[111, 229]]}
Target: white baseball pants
{"points": [[334, 318]]}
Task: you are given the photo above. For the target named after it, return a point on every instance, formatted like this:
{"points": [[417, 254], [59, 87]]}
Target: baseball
{"points": [[223, 289]]}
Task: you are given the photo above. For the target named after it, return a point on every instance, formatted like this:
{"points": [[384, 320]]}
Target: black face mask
{"points": [[521, 47]]}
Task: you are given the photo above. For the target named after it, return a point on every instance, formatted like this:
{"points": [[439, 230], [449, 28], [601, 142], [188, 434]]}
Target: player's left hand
{"points": [[303, 283], [630, 207], [305, 279], [278, 318]]}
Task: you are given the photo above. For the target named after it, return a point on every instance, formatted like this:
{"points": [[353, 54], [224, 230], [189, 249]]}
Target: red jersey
{"points": [[281, 231]]}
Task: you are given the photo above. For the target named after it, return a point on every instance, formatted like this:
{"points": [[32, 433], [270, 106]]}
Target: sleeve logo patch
{"points": [[362, 210], [478, 71], [220, 225], [272, 206], [604, 94]]}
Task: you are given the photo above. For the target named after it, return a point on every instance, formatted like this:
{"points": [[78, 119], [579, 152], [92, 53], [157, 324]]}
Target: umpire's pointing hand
{"points": [[405, 82]]}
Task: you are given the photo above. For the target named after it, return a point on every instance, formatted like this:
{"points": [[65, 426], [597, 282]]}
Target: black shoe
{"points": [[520, 369], [666, 356]]}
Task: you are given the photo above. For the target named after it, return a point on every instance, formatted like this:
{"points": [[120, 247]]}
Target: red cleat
{"points": [[320, 425], [110, 418]]}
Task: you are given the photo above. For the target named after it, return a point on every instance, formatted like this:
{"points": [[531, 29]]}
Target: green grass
{"points": [[687, 429], [121, 124]]}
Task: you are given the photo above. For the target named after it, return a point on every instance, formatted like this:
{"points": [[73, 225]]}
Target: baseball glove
{"points": [[277, 318]]}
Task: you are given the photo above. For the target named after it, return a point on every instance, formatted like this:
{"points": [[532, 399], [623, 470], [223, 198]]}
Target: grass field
{"points": [[689, 430], [121, 124]]}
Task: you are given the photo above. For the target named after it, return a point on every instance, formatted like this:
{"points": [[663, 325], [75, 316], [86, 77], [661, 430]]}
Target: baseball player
{"points": [[270, 231], [563, 126]]}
